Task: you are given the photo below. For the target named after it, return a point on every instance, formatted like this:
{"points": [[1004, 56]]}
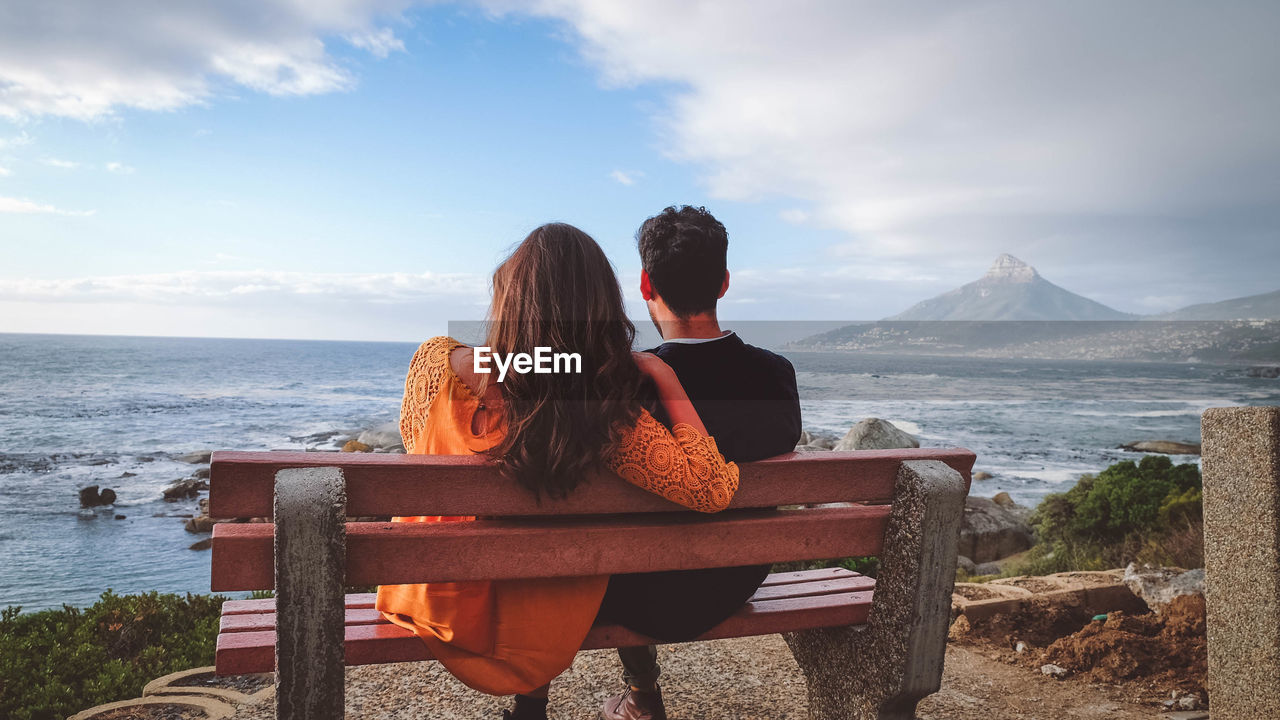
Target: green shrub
{"points": [[1123, 513], [55, 663]]}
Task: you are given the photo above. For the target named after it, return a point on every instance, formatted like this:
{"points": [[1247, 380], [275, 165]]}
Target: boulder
{"points": [[965, 564], [356, 446], [201, 473], [1165, 447], [990, 531], [184, 488], [987, 568], [204, 544], [199, 457], [1158, 586], [1003, 500], [1264, 371], [981, 475], [91, 497], [384, 437], [199, 524], [876, 434]]}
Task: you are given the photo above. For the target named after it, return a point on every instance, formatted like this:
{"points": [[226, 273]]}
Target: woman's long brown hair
{"points": [[558, 290]]}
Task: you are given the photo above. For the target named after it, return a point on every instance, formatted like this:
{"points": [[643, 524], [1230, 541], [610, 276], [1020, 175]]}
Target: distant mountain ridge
{"points": [[1254, 307], [1011, 290]]}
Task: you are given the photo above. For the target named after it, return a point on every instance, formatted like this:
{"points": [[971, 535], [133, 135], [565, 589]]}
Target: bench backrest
{"points": [[606, 526]]}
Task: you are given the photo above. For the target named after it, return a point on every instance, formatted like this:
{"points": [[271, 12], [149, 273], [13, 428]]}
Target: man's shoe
{"points": [[635, 705]]}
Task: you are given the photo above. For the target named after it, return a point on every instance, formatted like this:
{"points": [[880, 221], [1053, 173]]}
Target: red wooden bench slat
{"points": [[365, 600], [242, 483], [389, 553], [253, 652], [250, 607], [359, 607]]}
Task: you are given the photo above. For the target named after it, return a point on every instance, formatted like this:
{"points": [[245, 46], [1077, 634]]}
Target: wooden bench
{"points": [[868, 648]]}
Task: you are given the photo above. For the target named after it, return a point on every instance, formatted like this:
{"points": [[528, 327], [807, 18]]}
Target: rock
{"points": [[1264, 371], [1003, 500], [1165, 447], [120, 517], [1188, 702], [965, 564], [184, 488], [384, 437], [204, 544], [981, 475], [987, 568], [1159, 586], [989, 531], [199, 457], [876, 434], [824, 441], [201, 473], [127, 474], [90, 497], [1054, 671], [201, 524], [1020, 648], [356, 446]]}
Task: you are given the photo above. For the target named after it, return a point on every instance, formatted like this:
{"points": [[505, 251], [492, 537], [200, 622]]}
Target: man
{"points": [[747, 398]]}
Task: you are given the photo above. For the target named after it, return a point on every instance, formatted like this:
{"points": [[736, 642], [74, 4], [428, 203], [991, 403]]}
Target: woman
{"points": [[546, 432]]}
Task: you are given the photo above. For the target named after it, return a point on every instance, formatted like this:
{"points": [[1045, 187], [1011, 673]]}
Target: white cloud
{"points": [[258, 286], [626, 177], [120, 168], [59, 163], [23, 206], [380, 43], [15, 141], [795, 216], [940, 130], [5, 172], [82, 59]]}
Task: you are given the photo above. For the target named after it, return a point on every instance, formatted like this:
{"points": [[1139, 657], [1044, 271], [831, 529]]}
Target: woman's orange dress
{"points": [[512, 636]]}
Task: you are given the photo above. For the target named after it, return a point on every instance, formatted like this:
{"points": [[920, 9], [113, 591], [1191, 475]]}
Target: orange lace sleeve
{"points": [[682, 465], [427, 374]]}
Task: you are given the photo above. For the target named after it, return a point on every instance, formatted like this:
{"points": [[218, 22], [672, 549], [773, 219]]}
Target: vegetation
{"points": [[1148, 511], [55, 663]]}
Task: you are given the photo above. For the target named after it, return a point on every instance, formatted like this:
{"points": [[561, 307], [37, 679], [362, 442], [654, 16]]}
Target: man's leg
{"points": [[529, 706], [640, 666], [642, 699]]}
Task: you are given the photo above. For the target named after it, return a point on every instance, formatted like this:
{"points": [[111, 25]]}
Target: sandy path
{"points": [[741, 679]]}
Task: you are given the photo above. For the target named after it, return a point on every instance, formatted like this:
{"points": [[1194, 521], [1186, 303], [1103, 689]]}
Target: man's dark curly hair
{"points": [[684, 251]]}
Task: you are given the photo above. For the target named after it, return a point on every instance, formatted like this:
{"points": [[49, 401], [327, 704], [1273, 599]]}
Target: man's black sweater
{"points": [[747, 398]]}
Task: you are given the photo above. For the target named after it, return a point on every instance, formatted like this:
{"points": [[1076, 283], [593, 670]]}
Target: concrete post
{"points": [[883, 669], [1241, 463], [310, 563]]}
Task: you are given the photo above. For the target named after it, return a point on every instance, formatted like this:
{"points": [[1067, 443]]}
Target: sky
{"points": [[355, 169]]}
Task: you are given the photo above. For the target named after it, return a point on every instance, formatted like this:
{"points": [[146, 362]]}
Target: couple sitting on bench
{"points": [[673, 421]]}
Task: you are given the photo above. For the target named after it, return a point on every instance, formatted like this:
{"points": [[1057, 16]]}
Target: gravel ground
{"points": [[740, 679]]}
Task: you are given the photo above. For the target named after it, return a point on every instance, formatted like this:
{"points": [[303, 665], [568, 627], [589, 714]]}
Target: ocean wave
{"points": [[1137, 413]]}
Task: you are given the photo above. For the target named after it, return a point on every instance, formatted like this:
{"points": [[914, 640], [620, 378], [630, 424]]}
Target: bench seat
{"points": [[829, 597]]}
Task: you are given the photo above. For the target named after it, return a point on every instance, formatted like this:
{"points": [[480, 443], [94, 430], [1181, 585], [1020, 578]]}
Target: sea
{"points": [[119, 412]]}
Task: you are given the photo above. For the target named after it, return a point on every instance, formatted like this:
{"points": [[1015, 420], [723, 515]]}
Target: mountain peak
{"points": [[1008, 268], [1011, 290]]}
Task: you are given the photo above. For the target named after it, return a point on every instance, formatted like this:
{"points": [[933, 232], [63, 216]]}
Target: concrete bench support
{"points": [[881, 670], [1241, 465], [310, 557]]}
